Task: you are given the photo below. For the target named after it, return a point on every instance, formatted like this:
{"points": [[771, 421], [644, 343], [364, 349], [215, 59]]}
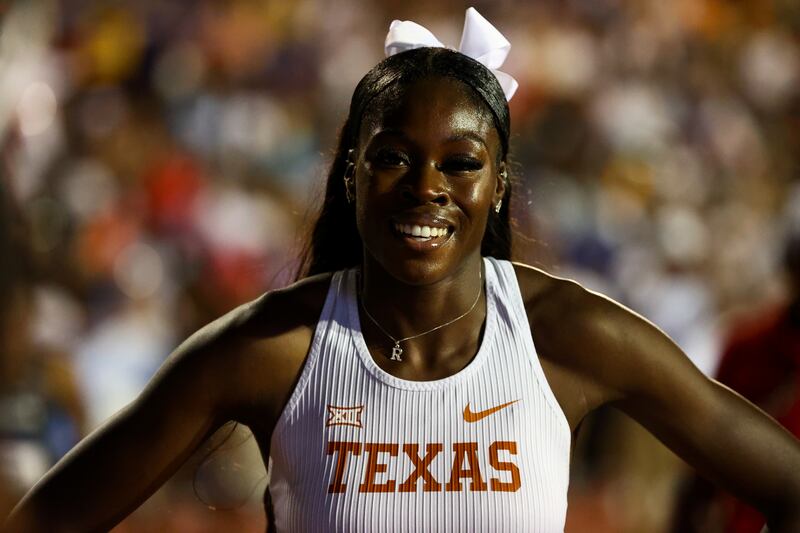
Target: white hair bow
{"points": [[480, 41]]}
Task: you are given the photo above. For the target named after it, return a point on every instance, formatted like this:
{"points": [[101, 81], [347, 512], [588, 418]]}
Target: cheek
{"points": [[477, 196], [371, 184], [373, 199]]}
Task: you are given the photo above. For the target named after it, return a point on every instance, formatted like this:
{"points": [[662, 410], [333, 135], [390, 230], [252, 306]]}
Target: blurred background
{"points": [[161, 163]]}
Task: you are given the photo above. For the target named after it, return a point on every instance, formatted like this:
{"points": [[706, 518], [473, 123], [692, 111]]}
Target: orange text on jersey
{"points": [[376, 457]]}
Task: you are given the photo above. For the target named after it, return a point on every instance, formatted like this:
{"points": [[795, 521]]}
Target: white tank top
{"points": [[359, 450]]}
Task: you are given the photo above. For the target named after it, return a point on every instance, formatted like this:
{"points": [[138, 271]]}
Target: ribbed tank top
{"points": [[359, 450]]}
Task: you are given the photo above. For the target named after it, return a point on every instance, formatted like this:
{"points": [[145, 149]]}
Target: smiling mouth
{"points": [[422, 233]]}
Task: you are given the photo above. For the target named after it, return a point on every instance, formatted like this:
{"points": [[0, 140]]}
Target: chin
{"points": [[417, 267]]}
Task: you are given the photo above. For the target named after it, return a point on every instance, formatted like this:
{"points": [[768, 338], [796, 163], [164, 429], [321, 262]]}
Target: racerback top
{"points": [[359, 450]]}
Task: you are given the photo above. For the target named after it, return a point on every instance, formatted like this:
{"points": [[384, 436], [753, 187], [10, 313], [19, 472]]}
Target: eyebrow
{"points": [[460, 135], [467, 135]]}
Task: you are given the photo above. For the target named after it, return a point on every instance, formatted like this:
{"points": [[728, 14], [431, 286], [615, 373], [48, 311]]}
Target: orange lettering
{"points": [[494, 461], [421, 464], [462, 452], [343, 448], [470, 450], [374, 467]]}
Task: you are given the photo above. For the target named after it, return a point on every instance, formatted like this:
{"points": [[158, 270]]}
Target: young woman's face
{"points": [[426, 180]]}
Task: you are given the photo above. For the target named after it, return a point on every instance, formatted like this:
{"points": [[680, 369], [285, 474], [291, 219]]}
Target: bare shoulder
{"points": [[554, 304], [282, 310], [594, 337], [619, 357], [250, 358]]}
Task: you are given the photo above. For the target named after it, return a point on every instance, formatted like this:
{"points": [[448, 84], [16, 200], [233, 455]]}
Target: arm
{"points": [[636, 367], [201, 386], [119, 465]]}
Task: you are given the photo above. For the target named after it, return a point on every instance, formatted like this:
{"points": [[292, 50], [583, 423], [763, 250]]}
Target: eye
{"points": [[391, 158], [461, 164]]}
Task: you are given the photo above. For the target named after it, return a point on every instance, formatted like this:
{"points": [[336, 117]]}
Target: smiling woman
{"points": [[413, 378], [382, 95]]}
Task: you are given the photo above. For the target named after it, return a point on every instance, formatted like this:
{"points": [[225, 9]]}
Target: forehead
{"points": [[430, 111]]}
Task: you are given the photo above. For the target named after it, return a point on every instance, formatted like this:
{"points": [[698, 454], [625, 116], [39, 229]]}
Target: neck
{"points": [[404, 309]]}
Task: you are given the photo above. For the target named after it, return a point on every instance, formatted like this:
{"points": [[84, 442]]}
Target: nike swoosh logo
{"points": [[469, 416]]}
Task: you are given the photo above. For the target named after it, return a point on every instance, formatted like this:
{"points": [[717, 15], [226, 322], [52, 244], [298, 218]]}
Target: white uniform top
{"points": [[486, 449]]}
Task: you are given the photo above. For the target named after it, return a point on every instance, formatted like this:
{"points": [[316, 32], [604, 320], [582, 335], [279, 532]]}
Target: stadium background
{"points": [[161, 162]]}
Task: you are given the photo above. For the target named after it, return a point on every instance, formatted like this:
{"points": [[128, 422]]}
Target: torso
{"points": [[542, 297], [540, 291]]}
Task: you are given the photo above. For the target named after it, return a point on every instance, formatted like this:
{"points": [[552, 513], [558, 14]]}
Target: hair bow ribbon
{"points": [[480, 40]]}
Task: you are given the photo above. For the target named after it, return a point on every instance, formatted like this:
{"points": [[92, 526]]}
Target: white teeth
{"points": [[423, 232]]}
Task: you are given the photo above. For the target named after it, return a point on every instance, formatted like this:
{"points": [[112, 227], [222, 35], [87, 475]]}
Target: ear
{"points": [[502, 181]]}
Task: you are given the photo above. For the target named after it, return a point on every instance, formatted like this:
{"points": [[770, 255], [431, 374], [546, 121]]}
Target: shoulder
{"points": [[555, 300], [271, 315], [615, 349], [280, 311], [248, 360]]}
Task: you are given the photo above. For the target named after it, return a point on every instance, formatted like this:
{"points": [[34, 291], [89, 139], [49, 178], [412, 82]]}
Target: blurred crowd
{"points": [[161, 162]]}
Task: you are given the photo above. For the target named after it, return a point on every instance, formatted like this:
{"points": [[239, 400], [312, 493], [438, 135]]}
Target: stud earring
{"points": [[504, 177]]}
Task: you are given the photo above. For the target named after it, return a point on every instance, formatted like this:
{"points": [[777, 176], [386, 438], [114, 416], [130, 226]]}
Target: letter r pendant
{"points": [[396, 352]]}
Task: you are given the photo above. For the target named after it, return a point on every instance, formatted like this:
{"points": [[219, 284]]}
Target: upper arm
{"points": [[241, 363], [642, 371], [122, 462]]}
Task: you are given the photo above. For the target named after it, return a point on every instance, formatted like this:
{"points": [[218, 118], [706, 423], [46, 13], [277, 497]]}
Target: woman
{"points": [[397, 385]]}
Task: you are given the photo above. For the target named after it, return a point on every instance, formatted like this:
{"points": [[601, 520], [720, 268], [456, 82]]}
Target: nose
{"points": [[426, 184]]}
